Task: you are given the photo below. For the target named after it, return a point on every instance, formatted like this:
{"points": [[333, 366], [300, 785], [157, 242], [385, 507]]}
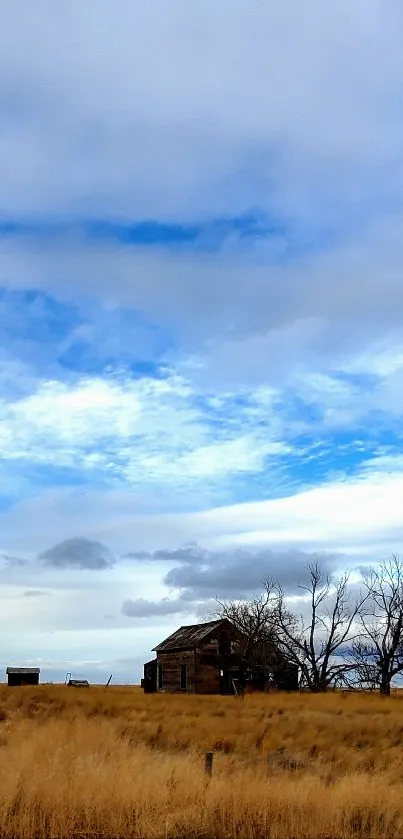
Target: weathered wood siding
{"points": [[171, 670], [207, 665], [202, 667], [207, 669]]}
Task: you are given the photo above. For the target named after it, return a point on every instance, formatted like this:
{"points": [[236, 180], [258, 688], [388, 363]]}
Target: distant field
{"points": [[120, 763]]}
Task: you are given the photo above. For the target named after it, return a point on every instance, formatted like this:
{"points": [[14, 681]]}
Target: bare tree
{"points": [[378, 653], [366, 673], [257, 621], [317, 645]]}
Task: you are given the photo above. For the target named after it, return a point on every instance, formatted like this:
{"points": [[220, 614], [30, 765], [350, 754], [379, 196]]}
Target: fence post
{"points": [[208, 764]]}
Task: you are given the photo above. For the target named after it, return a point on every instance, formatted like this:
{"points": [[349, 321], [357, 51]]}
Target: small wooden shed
{"points": [[18, 676]]}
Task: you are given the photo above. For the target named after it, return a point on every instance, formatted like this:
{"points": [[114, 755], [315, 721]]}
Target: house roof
{"points": [[23, 671], [188, 636]]}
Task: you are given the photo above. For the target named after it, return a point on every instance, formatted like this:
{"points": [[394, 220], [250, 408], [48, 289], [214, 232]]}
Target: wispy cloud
{"points": [[139, 430]]}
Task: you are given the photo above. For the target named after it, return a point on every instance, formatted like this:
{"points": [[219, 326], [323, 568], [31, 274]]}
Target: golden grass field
{"points": [[116, 763]]}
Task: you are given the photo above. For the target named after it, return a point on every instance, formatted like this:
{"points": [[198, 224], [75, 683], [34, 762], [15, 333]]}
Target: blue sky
{"points": [[201, 347]]}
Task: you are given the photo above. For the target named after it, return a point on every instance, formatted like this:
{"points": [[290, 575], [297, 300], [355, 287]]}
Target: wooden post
{"points": [[208, 764]]}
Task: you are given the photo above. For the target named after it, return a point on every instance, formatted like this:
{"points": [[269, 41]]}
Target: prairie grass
{"points": [[116, 762]]}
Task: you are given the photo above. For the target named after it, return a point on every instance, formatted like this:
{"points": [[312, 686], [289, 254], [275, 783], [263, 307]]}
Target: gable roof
{"points": [[189, 636], [22, 670]]}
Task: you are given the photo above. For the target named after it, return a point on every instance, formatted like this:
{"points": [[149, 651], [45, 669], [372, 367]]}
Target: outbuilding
{"points": [[18, 676]]}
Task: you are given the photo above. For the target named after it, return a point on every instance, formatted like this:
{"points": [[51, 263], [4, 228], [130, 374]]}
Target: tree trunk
{"points": [[318, 684], [384, 687]]}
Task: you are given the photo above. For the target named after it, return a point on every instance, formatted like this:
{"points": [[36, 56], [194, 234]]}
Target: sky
{"points": [[201, 311]]}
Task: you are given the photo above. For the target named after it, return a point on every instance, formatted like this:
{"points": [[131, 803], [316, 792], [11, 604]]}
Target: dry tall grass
{"points": [[118, 763]]}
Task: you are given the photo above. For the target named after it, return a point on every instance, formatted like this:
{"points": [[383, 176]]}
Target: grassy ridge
{"points": [[119, 763]]}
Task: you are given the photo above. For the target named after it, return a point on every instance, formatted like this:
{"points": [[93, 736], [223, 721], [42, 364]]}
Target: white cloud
{"points": [[237, 321], [344, 515], [360, 514], [161, 110], [137, 430]]}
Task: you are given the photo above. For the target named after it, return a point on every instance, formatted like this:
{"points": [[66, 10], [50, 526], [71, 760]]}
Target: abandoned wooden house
{"points": [[209, 658], [18, 676]]}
